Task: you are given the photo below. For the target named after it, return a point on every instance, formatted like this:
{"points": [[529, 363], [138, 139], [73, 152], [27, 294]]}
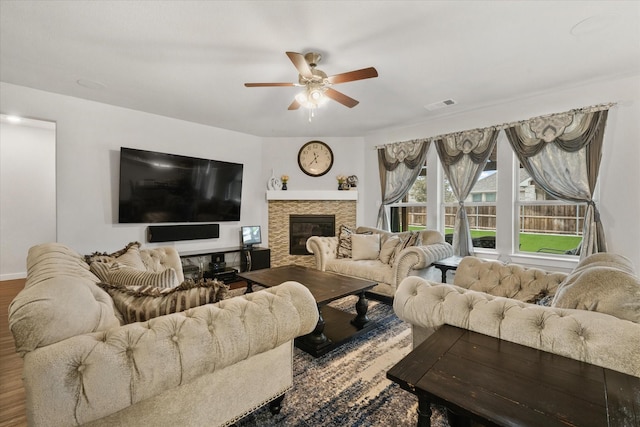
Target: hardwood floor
{"points": [[12, 397]]}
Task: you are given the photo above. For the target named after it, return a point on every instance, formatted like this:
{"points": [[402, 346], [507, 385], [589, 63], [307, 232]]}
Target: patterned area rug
{"points": [[348, 386]]}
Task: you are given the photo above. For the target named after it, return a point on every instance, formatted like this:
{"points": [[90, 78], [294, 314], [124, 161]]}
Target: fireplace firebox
{"points": [[301, 227]]}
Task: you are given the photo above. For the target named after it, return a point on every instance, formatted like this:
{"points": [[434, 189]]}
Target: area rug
{"points": [[348, 386]]}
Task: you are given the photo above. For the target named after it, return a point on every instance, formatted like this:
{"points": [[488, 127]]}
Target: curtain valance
{"points": [[411, 153], [476, 144], [571, 132], [538, 119]]}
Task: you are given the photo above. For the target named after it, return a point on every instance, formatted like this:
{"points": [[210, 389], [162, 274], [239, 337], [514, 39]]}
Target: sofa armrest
{"points": [[591, 337], [89, 376], [162, 258], [323, 248], [416, 258]]}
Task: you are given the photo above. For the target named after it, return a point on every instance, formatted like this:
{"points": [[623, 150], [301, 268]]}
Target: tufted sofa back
{"points": [[506, 280], [427, 237], [61, 300]]}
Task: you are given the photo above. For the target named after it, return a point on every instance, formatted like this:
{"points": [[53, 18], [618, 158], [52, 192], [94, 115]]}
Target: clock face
{"points": [[315, 158]]}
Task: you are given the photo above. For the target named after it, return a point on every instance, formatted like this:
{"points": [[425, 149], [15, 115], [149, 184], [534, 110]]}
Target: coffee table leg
{"points": [[249, 287], [424, 412], [317, 337], [361, 308], [456, 420]]}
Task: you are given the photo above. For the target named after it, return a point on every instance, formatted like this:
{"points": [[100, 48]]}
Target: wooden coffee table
{"points": [[499, 383], [334, 327]]}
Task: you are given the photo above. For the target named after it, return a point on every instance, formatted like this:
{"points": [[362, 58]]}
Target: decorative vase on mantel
{"points": [[284, 185]]}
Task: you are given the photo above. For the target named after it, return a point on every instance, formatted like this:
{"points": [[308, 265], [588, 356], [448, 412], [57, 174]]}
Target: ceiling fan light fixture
{"points": [[315, 95], [311, 97]]}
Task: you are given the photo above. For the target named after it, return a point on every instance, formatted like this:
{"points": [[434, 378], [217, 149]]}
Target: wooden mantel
{"points": [[312, 195]]}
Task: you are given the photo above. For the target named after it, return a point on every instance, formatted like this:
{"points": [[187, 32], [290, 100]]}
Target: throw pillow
{"points": [[144, 303], [365, 246], [388, 247], [101, 269], [119, 274], [410, 239], [129, 256], [344, 242]]}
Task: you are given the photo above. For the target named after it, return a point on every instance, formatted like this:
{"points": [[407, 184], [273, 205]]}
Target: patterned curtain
{"points": [[562, 154], [399, 164], [463, 156]]}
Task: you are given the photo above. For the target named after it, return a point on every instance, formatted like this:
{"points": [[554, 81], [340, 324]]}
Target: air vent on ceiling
{"points": [[441, 104]]}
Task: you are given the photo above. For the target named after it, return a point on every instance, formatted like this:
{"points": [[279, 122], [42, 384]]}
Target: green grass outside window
{"points": [[531, 242]]}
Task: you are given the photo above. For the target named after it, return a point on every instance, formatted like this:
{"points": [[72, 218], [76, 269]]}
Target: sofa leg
{"points": [[276, 405]]}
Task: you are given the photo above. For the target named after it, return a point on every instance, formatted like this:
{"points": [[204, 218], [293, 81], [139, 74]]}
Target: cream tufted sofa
{"points": [[207, 366], [411, 261], [602, 327]]}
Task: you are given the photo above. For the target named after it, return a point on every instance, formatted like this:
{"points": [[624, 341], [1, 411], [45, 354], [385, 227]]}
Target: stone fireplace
{"points": [[286, 204]]}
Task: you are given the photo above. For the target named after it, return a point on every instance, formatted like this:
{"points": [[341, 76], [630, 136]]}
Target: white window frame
{"points": [[507, 212]]}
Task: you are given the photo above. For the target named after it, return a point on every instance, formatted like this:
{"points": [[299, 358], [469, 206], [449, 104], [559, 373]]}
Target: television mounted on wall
{"points": [[165, 188]]}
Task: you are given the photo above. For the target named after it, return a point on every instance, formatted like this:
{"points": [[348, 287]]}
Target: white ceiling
{"points": [[189, 59]]}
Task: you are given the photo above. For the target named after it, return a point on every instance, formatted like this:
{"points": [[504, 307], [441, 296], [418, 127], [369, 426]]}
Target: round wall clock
{"points": [[315, 158]]}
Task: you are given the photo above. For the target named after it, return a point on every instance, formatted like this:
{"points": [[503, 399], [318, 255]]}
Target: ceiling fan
{"points": [[316, 82]]}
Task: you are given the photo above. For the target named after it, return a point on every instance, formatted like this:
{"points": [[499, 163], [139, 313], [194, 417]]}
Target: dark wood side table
{"points": [[499, 383], [447, 264]]}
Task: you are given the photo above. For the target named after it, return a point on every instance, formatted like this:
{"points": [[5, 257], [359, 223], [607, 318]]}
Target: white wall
{"points": [[619, 182], [27, 192], [89, 136], [281, 156]]}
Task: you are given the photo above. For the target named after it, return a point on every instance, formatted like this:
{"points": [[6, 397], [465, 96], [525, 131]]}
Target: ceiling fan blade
{"points": [[294, 105], [268, 84], [341, 98], [301, 64], [365, 73]]}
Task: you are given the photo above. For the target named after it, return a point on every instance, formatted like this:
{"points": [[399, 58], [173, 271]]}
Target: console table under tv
{"points": [[251, 259]]}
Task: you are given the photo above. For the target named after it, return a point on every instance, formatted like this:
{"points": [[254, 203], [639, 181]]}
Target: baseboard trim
{"points": [[13, 276]]}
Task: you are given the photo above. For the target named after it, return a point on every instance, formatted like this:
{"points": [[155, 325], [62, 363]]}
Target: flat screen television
{"points": [[250, 235], [160, 187]]}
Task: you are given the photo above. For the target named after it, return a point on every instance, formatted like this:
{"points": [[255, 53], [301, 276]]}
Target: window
{"points": [[411, 212], [546, 225], [521, 220], [480, 206]]}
